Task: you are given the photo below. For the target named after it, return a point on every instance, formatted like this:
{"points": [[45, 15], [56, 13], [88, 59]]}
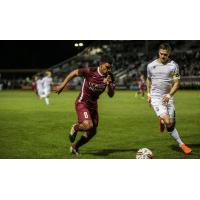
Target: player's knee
{"points": [[90, 126], [167, 122], [171, 127], [87, 125]]}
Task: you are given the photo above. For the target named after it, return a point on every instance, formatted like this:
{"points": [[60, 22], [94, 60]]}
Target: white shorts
{"points": [[161, 109], [47, 91], [40, 93]]}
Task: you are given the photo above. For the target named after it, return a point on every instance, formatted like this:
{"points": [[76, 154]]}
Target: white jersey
{"points": [[162, 76], [47, 81], [39, 85]]}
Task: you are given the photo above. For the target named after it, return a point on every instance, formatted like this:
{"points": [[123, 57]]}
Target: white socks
{"points": [[176, 136], [46, 100]]}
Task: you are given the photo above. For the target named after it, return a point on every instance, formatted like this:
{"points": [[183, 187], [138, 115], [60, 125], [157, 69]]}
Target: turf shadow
{"points": [[177, 149], [194, 145], [106, 152]]}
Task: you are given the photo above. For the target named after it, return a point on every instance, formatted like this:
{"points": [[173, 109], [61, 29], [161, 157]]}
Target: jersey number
{"points": [[85, 114]]}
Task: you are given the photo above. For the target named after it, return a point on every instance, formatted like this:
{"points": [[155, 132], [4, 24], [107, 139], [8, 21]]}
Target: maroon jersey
{"points": [[142, 84], [93, 85]]}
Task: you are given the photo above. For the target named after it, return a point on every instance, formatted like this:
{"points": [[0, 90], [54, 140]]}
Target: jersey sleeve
{"points": [[84, 71], [175, 73], [148, 72]]}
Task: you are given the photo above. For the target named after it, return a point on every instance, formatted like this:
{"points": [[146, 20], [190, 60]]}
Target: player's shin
{"points": [[174, 133], [74, 130], [86, 137], [83, 140], [47, 100], [92, 133]]}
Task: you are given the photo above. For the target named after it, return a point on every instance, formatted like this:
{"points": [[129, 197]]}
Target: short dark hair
{"points": [[165, 46], [106, 59]]}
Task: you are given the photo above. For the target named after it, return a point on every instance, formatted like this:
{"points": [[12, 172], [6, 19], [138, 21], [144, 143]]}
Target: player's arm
{"points": [[110, 85], [148, 83], [111, 89], [173, 90], [68, 78], [175, 86]]}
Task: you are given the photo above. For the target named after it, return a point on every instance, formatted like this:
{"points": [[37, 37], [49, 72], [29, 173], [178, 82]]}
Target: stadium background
{"points": [[21, 60], [31, 130]]}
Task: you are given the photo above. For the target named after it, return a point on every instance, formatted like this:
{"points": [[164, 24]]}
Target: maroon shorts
{"points": [[86, 112]]}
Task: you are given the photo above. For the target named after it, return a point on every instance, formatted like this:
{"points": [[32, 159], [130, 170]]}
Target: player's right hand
{"points": [[59, 89]]}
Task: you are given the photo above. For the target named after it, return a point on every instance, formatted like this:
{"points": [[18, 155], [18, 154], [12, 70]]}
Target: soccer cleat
{"points": [[162, 125], [73, 150], [72, 134], [186, 149]]}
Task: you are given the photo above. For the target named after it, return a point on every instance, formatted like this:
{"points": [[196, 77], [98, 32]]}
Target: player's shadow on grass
{"points": [[106, 152], [176, 148]]}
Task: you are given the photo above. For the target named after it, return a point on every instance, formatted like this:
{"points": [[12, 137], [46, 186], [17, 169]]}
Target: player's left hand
{"points": [[165, 100]]}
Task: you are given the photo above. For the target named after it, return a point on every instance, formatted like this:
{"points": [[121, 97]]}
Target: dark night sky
{"points": [[35, 54]]}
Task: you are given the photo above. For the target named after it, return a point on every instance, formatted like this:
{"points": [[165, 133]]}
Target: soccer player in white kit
{"points": [[47, 82], [163, 80], [39, 86]]}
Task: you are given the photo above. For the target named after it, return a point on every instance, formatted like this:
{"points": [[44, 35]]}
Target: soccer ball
{"points": [[144, 153]]}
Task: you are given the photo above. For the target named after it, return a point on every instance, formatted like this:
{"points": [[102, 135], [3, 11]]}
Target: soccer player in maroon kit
{"points": [[96, 80], [141, 85]]}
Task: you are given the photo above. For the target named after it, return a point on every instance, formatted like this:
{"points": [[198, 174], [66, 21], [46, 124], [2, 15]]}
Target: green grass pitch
{"points": [[30, 129]]}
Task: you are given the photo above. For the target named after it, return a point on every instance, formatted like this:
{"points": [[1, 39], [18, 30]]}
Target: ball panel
{"points": [[144, 153]]}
